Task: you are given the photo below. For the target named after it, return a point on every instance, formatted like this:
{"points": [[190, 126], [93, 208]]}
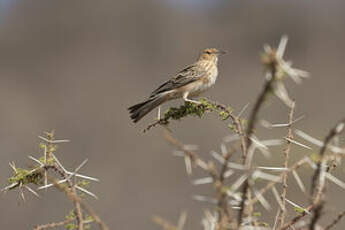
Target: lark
{"points": [[186, 84]]}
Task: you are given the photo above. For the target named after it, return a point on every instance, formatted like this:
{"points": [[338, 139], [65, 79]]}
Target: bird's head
{"points": [[211, 54]]}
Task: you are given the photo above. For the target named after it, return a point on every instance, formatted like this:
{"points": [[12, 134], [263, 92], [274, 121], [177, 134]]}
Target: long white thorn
{"points": [[228, 173], [54, 141], [276, 195], [58, 162], [242, 110], [335, 180], [36, 160], [297, 206], [77, 169], [238, 182], [262, 200], [299, 181], [308, 138], [51, 185], [10, 186], [297, 143], [223, 149], [205, 180], [273, 168], [31, 190], [282, 46], [218, 157], [319, 143], [21, 192], [178, 153], [236, 166], [231, 138], [13, 166], [86, 191], [266, 176], [205, 199], [188, 164], [83, 176], [258, 142], [80, 166], [182, 220]]}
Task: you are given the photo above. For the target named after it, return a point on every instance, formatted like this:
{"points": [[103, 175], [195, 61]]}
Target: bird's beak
{"points": [[221, 52]]}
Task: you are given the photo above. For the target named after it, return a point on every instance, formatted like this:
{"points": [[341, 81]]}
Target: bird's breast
{"points": [[211, 77], [205, 82]]}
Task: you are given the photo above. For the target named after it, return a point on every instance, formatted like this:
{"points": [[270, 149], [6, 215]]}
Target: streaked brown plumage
{"points": [[189, 82]]}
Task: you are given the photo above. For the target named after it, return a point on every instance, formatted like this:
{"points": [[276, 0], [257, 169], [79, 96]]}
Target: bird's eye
{"points": [[208, 52]]}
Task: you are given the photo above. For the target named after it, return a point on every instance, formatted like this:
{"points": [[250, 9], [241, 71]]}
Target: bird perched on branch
{"points": [[188, 83]]}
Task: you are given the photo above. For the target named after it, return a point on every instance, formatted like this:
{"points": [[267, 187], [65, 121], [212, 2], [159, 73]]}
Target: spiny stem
{"points": [[286, 165]]}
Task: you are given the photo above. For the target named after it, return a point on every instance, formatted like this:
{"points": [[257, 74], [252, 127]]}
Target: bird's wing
{"points": [[187, 75]]}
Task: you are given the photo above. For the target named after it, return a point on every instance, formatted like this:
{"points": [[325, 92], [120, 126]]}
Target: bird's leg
{"points": [[159, 113], [185, 98]]}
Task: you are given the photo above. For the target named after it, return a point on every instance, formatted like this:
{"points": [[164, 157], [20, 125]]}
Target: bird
{"points": [[188, 83]]}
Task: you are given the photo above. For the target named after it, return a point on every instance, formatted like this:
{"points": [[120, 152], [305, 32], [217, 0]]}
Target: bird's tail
{"points": [[138, 111]]}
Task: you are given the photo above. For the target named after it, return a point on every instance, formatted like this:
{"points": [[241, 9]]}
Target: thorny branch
{"points": [[218, 177], [317, 186], [316, 177], [318, 183], [67, 183], [75, 198], [191, 155], [297, 218], [56, 167], [286, 165], [272, 63], [272, 183]]}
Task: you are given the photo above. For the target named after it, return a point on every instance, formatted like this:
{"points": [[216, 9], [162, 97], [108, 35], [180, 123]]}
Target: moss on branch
{"points": [[194, 110]]}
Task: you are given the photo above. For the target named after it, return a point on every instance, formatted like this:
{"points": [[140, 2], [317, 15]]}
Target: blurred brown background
{"points": [[75, 66]]}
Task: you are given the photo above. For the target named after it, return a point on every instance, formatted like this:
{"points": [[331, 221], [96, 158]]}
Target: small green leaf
{"points": [[299, 210]]}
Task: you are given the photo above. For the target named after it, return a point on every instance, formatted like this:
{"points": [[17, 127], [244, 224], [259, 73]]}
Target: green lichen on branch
{"points": [[35, 174], [24, 176], [194, 110]]}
